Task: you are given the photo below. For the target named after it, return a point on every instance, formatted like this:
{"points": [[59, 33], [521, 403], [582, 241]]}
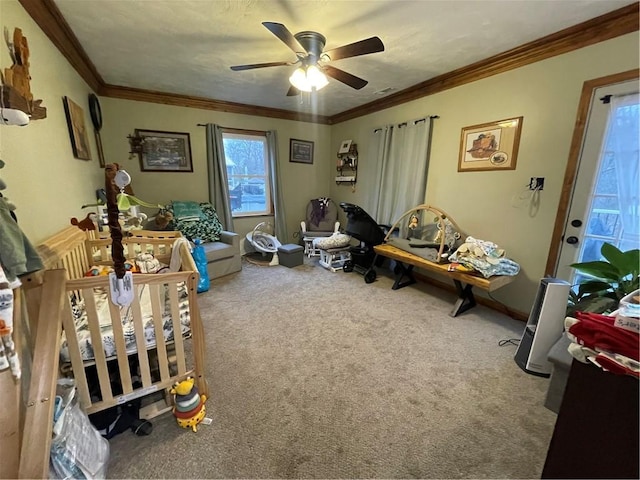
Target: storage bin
{"points": [[290, 255]]}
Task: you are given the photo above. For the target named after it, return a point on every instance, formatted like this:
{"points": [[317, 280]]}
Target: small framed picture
{"points": [[165, 151], [345, 146], [490, 146], [300, 151]]}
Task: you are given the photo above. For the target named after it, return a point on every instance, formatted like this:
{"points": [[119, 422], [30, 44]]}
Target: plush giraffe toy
{"points": [[189, 407]]}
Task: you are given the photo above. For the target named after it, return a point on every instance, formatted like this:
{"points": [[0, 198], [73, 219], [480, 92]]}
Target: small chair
{"points": [[321, 221]]}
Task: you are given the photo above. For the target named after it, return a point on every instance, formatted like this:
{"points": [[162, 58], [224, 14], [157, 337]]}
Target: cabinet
{"points": [[596, 433], [347, 166]]}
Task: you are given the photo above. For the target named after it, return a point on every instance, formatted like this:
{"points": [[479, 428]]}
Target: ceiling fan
{"points": [[308, 47]]}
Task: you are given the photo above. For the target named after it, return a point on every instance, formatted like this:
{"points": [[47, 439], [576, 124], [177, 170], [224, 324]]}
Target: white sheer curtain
{"points": [[400, 156], [623, 135]]}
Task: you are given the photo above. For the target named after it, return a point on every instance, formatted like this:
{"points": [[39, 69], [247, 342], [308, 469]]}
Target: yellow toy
{"points": [[189, 408]]}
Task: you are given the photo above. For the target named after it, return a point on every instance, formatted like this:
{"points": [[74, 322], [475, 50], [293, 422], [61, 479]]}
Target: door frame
{"points": [[573, 161]]}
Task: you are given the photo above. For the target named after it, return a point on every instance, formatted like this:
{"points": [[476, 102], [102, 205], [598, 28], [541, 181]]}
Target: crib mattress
{"points": [[126, 316]]}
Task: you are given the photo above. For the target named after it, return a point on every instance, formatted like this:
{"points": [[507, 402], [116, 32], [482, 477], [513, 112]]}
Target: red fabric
{"points": [[599, 333], [615, 367], [190, 413]]}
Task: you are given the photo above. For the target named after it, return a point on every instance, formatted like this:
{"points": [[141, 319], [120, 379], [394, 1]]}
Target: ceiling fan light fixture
{"points": [[309, 78]]}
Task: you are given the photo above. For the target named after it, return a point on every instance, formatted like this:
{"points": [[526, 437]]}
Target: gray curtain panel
{"points": [[280, 218], [217, 173]]}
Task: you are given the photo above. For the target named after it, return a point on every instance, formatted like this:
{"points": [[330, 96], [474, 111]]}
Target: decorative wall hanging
{"points": [[96, 118], [490, 146], [16, 89], [300, 151], [77, 129], [164, 151]]}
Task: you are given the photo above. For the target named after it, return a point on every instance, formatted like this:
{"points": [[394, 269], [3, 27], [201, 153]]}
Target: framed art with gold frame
{"points": [[77, 129], [490, 146]]}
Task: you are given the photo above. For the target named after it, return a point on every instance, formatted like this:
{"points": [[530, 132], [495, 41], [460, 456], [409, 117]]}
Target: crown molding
{"points": [[48, 17], [605, 27], [613, 24], [140, 95]]}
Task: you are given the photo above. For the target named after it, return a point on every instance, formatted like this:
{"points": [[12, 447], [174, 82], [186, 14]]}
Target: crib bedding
{"points": [[101, 296]]}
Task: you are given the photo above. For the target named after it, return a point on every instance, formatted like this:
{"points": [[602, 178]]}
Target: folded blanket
{"points": [[187, 211], [600, 333], [485, 257]]}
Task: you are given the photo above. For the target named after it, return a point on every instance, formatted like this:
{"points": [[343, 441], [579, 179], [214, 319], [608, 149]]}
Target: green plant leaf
{"points": [[624, 262], [632, 258], [598, 305], [598, 269], [592, 286], [613, 255]]}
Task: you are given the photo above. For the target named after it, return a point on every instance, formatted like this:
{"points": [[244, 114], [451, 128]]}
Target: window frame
{"points": [[235, 133]]}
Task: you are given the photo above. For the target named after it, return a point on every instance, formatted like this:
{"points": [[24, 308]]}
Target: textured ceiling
{"points": [[187, 46]]}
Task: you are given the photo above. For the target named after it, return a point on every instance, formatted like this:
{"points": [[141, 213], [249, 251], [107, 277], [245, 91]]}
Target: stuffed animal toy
{"points": [[88, 223], [103, 270], [160, 221], [98, 270], [189, 407]]}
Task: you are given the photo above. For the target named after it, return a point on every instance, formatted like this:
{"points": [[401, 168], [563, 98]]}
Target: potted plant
{"points": [[608, 280]]}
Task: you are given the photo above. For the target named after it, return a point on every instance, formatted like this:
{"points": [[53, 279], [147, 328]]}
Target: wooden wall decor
{"points": [[16, 88]]}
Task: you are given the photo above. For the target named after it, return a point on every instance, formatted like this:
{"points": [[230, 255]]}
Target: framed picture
{"points": [[165, 151], [345, 146], [300, 151], [490, 146], [77, 129]]}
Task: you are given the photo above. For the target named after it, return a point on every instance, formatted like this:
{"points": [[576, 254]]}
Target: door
{"points": [[607, 185]]}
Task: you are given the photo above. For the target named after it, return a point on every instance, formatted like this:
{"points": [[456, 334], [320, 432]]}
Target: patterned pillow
{"points": [[208, 230], [337, 240]]}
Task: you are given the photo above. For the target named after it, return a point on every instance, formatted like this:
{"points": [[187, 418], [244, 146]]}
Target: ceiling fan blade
{"points": [[293, 91], [285, 35], [237, 68], [344, 77], [363, 47]]}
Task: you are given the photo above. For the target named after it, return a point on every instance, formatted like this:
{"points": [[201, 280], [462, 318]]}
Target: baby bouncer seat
{"points": [[321, 221]]}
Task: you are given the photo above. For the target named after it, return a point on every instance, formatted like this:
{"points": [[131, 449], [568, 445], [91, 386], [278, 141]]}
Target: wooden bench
{"points": [[464, 282]]}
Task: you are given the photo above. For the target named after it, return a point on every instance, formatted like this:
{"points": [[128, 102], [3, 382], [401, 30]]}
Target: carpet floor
{"points": [[315, 374]]}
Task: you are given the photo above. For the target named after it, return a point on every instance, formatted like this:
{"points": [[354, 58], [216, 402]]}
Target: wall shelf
{"points": [[347, 166]]}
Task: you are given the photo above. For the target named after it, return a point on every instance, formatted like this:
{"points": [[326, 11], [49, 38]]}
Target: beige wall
{"points": [[301, 182], [44, 180], [546, 94]]}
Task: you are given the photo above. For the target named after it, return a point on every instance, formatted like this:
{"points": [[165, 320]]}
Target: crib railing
{"points": [[40, 372], [158, 367]]}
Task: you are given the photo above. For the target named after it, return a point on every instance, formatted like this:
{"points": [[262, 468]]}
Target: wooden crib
{"points": [[51, 304]]}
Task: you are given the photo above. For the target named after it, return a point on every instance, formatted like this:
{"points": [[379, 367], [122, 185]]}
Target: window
{"points": [[247, 172]]}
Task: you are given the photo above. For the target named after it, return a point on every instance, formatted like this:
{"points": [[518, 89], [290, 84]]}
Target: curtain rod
{"points": [[404, 124]]}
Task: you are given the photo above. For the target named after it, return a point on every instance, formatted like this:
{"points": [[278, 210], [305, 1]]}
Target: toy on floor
{"points": [[189, 407]]}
